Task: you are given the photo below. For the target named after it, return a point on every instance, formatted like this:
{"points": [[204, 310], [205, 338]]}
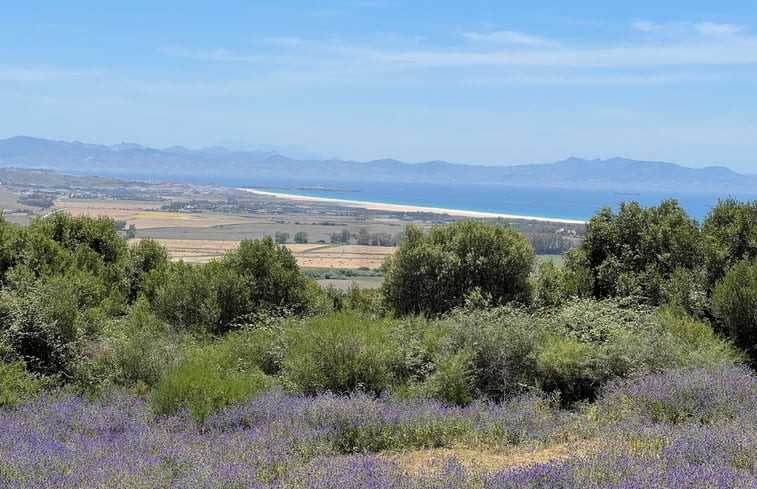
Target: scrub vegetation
{"points": [[631, 366]]}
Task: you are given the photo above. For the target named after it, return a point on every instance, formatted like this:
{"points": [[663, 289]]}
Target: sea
{"points": [[549, 202]]}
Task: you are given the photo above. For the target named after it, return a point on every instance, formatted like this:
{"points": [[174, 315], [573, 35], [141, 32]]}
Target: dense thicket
{"points": [[659, 255]]}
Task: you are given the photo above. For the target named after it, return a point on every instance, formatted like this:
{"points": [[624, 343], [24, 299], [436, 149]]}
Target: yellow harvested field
{"points": [[311, 255], [347, 256], [366, 250], [194, 248], [164, 215]]}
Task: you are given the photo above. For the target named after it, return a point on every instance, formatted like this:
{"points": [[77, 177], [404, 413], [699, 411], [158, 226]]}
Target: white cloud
{"points": [[713, 29], [645, 25], [216, 54], [508, 37]]}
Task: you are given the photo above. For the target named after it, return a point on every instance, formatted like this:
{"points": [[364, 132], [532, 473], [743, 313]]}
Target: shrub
{"points": [[450, 381], [135, 351], [502, 343], [550, 286], [734, 303], [16, 384], [341, 352], [204, 381], [570, 367], [573, 349]]}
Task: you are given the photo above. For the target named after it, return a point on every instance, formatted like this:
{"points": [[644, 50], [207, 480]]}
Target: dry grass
{"points": [[429, 460]]}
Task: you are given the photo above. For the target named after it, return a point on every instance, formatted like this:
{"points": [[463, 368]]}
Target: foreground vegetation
{"points": [[682, 429], [244, 373]]}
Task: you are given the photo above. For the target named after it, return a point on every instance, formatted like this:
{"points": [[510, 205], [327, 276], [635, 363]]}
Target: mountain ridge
{"points": [[613, 173]]}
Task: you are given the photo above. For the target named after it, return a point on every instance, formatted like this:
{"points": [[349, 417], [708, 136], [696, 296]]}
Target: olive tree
{"points": [[434, 272]]}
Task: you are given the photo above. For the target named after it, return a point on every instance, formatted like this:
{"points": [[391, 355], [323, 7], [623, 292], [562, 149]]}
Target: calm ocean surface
{"points": [[564, 203]]}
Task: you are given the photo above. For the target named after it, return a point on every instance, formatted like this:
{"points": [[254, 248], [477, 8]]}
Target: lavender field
{"points": [[694, 428]]}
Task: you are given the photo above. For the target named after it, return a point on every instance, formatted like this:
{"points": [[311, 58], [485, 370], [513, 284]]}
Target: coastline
{"points": [[378, 206]]}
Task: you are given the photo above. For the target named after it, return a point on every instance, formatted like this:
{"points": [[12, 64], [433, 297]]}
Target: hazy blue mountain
{"points": [[129, 158]]}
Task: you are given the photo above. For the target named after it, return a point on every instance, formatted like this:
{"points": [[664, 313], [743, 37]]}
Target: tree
{"points": [[301, 237], [363, 237], [271, 275], [434, 272], [734, 304], [143, 257], [729, 233], [635, 251], [281, 237]]}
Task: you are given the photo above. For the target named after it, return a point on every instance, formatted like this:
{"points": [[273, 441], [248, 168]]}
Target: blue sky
{"points": [[499, 82]]}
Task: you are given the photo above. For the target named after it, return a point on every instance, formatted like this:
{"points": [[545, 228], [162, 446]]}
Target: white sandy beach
{"points": [[378, 206]]}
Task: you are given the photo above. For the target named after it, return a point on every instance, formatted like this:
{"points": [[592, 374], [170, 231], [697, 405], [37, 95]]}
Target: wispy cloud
{"points": [[660, 57], [713, 29], [687, 29], [215, 54], [645, 25], [40, 74], [286, 41], [508, 37], [576, 79]]}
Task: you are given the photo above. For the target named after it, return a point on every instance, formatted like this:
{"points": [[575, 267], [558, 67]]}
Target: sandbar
{"points": [[379, 206]]}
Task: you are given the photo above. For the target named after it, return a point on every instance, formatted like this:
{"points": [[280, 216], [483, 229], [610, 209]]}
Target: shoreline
{"points": [[378, 206]]}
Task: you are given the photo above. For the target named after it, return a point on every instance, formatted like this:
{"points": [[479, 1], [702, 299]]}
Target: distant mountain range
{"points": [[139, 161]]}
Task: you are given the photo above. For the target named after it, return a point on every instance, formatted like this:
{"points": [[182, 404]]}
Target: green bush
{"points": [[502, 342], [734, 303], [135, 351], [342, 352], [550, 287], [570, 367], [573, 349], [16, 384], [207, 380], [450, 381]]}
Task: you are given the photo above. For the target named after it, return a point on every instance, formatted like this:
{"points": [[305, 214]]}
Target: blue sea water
{"points": [[561, 203]]}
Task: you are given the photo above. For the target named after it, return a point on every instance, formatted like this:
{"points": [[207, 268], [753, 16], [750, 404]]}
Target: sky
{"points": [[488, 82]]}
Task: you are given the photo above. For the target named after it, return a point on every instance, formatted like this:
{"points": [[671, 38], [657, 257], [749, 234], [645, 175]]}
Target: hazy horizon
{"points": [[480, 83]]}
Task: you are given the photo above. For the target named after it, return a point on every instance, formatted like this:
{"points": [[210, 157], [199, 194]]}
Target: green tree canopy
{"points": [[634, 251], [434, 272], [729, 234]]}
